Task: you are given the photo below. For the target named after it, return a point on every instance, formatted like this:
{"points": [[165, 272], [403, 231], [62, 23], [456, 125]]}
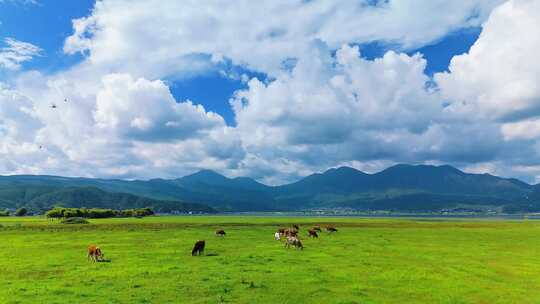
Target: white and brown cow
{"points": [[95, 254], [294, 241]]}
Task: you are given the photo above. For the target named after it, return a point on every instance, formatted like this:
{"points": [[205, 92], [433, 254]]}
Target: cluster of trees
{"points": [[61, 212], [19, 212]]}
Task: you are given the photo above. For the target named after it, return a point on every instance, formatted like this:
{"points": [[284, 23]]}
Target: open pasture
{"points": [[367, 261]]}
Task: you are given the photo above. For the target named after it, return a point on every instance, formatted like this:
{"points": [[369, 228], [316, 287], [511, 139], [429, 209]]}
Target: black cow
{"points": [[198, 249]]}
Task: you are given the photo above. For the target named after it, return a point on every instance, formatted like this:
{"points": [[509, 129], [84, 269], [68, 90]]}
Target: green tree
{"points": [[21, 212], [56, 212]]}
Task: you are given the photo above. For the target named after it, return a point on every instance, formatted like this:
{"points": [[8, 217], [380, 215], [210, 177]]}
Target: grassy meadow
{"points": [[368, 261]]}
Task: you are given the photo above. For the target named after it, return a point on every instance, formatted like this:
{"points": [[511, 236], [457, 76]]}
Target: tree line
{"points": [[19, 212], [61, 212]]}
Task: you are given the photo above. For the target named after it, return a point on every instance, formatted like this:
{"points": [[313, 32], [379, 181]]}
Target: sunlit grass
{"points": [[367, 261]]}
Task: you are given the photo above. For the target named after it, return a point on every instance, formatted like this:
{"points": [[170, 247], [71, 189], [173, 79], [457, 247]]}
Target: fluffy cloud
{"points": [[500, 76], [172, 37], [342, 99], [17, 127], [344, 109], [146, 110], [116, 126], [525, 129], [16, 52], [497, 83]]}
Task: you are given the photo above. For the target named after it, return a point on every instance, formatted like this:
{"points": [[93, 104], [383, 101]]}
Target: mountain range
{"points": [[411, 188]]}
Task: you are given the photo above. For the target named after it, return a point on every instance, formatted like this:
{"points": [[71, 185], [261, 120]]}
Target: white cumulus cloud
{"points": [[181, 37], [500, 76], [143, 109]]}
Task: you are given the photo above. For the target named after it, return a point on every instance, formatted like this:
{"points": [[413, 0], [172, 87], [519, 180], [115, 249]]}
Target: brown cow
{"points": [[292, 240], [198, 249], [291, 232], [331, 229], [220, 232], [312, 233], [95, 254]]}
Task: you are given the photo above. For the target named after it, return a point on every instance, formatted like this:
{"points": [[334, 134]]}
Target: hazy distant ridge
{"points": [[399, 188]]}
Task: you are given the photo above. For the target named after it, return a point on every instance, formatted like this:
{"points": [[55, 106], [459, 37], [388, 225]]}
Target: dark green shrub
{"points": [[56, 212], [72, 213], [74, 220], [4, 213], [100, 213], [137, 212], [21, 212]]}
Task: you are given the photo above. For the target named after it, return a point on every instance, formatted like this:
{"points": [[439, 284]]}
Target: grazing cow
{"points": [[220, 232], [312, 233], [296, 227], [95, 254], [198, 249], [277, 235], [281, 231], [331, 229], [293, 241], [291, 232], [317, 228]]}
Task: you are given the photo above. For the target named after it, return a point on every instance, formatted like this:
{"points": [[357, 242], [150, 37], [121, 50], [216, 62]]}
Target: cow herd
{"points": [[289, 235]]}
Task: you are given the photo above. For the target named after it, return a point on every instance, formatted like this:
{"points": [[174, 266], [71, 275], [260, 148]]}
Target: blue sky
{"points": [[438, 53], [278, 90], [41, 24]]}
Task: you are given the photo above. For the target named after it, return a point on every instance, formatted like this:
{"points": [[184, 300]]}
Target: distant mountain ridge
{"points": [[398, 188]]}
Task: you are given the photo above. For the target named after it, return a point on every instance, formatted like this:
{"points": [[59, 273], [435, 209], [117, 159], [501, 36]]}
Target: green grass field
{"points": [[367, 261]]}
